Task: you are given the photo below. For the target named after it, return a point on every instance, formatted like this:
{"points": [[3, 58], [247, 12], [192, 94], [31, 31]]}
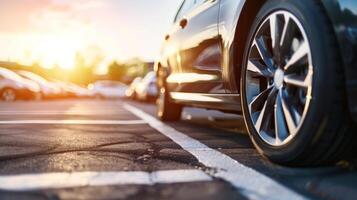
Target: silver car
{"points": [[13, 87]]}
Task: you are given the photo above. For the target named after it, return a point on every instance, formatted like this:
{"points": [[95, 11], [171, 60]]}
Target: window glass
{"points": [[10, 75], [184, 9], [198, 2]]}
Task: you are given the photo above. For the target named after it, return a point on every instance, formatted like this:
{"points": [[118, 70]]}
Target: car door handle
{"points": [[183, 23]]}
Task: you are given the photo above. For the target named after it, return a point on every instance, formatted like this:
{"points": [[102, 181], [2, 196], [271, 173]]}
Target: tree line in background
{"points": [[84, 72]]}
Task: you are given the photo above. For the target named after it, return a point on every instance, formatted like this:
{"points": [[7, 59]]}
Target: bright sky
{"points": [[52, 31]]}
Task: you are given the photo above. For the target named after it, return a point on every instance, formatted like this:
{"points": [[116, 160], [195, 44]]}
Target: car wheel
{"points": [[8, 95], [292, 88], [166, 109]]}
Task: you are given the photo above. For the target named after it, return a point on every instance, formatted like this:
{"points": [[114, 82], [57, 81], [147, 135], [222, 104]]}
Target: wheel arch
{"points": [[242, 30]]}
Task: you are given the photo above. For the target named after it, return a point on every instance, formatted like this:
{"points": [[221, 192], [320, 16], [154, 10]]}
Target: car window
{"points": [[10, 75], [149, 77], [109, 84], [199, 2], [33, 77], [186, 6]]}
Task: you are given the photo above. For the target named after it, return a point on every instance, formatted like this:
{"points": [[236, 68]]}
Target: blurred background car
{"points": [[13, 87], [146, 90], [48, 89], [108, 89], [130, 92], [67, 90], [79, 91]]}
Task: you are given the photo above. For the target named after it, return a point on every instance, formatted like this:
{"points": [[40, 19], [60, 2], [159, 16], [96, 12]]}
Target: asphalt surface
{"points": [[75, 136]]}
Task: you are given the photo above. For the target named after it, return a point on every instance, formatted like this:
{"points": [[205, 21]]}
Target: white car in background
{"points": [[79, 91], [48, 89], [109, 89], [146, 90], [13, 87], [130, 92]]}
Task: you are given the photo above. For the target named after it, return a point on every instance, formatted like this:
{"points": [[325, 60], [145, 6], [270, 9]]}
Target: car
{"points": [[146, 89], [80, 91], [13, 87], [130, 92], [73, 90], [67, 90], [288, 66], [49, 89], [109, 89]]}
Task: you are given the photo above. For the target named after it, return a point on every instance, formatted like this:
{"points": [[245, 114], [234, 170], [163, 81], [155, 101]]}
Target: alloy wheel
{"points": [[278, 78], [8, 95]]}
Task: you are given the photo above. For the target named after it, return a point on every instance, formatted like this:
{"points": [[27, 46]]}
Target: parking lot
{"points": [[117, 149]]}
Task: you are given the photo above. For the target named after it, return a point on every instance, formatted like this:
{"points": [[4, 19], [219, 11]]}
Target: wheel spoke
{"points": [[259, 100], [281, 131], [265, 115], [291, 115], [287, 33], [257, 68], [264, 53], [274, 30], [302, 51], [297, 80]]}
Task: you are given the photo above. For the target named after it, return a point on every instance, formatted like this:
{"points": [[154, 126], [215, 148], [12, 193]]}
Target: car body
{"points": [[146, 89], [213, 75], [109, 89], [130, 92], [204, 53], [48, 89], [14, 87], [73, 90], [67, 90], [81, 92]]}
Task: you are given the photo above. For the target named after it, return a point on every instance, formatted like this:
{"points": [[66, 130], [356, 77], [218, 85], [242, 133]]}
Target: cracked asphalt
{"points": [[47, 148]]}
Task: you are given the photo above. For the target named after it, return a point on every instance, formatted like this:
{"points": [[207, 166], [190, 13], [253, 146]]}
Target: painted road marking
{"points": [[28, 182], [251, 183], [74, 122]]}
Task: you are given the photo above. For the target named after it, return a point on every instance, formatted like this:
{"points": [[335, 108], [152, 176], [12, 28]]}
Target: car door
{"points": [[200, 49], [171, 49]]}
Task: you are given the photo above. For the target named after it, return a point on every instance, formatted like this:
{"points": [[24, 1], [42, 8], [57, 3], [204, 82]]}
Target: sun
{"points": [[51, 49], [56, 51]]}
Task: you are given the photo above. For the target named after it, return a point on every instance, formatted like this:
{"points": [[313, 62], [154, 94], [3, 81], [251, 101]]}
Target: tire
{"points": [[166, 109], [8, 95], [296, 112]]}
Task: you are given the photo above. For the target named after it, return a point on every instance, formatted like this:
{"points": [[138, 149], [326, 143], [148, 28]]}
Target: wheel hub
{"points": [[279, 78]]}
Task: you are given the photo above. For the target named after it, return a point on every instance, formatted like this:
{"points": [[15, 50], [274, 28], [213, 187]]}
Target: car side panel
{"points": [[230, 11], [200, 51]]}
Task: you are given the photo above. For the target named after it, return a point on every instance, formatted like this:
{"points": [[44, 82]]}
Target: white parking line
{"points": [[29, 182], [250, 182], [73, 122]]}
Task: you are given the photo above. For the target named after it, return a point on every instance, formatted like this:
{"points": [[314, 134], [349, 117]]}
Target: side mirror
{"points": [[167, 37]]}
